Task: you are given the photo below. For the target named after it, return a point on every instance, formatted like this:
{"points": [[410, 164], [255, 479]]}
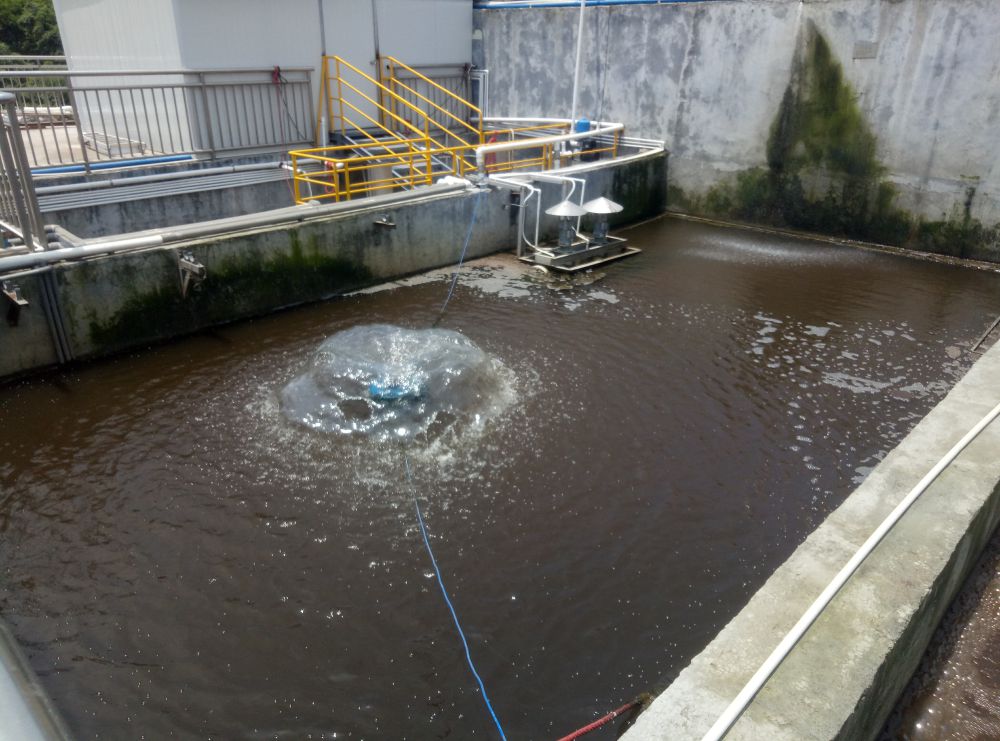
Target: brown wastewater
{"points": [[186, 552]]}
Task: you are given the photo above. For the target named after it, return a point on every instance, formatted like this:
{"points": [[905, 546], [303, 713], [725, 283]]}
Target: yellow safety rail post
{"points": [[381, 89], [319, 109], [295, 179], [391, 82], [329, 97]]}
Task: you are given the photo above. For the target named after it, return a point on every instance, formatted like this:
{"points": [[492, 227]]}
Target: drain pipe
{"points": [[194, 231], [52, 309], [47, 257], [740, 703]]}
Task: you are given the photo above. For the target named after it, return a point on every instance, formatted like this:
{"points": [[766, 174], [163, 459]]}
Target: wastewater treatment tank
{"points": [[216, 537]]}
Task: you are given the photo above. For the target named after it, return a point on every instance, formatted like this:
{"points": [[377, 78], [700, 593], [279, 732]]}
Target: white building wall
{"points": [[261, 34], [199, 34], [425, 32], [119, 34]]}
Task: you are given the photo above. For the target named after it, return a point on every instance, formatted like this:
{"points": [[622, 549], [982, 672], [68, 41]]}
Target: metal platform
{"points": [[582, 255]]}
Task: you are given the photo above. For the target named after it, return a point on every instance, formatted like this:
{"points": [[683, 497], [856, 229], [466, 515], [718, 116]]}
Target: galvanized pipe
{"points": [[118, 182]]}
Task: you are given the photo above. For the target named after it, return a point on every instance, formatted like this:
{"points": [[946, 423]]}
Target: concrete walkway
{"points": [[843, 678]]}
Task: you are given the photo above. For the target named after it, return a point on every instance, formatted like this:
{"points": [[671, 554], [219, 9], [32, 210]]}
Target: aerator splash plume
{"points": [[390, 382]]}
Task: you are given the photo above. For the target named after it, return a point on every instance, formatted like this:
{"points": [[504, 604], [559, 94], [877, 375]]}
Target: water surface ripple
{"points": [[182, 561]]}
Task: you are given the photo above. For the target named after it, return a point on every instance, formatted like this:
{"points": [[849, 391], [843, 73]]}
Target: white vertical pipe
{"points": [[579, 56], [740, 703]]}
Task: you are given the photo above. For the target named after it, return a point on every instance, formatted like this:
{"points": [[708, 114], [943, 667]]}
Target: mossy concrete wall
{"points": [[129, 299], [872, 119]]}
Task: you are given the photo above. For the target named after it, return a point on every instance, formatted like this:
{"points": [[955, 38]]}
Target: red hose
{"points": [[602, 721]]}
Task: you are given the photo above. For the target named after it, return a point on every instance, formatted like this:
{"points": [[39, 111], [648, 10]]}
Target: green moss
{"points": [[237, 287], [959, 237], [823, 173], [148, 316], [677, 198]]}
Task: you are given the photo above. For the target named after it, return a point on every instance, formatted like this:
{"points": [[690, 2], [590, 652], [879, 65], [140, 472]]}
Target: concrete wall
{"points": [[301, 254], [918, 78], [842, 680], [124, 216], [119, 34]]}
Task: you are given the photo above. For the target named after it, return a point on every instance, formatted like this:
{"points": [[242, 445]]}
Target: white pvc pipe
{"points": [[579, 54], [47, 257], [536, 119], [740, 703], [511, 181], [485, 149], [549, 177]]}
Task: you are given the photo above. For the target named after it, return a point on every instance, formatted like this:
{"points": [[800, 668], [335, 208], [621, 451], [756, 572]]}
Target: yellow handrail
{"points": [[407, 155], [443, 89], [445, 111], [371, 100], [383, 110]]}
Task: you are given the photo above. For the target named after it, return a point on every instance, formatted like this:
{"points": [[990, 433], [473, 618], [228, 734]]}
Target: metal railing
{"points": [[408, 129], [364, 168], [444, 98], [24, 62], [19, 214], [84, 118]]}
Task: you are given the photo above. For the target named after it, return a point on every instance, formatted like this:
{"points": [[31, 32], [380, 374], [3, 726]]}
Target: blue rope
{"points": [[461, 259], [454, 616]]}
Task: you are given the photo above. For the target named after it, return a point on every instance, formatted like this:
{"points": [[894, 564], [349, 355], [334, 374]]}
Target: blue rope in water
{"points": [[461, 259], [454, 615]]}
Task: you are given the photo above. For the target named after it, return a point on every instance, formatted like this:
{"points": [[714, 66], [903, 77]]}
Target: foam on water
{"points": [[390, 382]]}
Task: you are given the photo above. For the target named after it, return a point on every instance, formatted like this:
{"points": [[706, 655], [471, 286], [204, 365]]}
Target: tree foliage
{"points": [[28, 27]]}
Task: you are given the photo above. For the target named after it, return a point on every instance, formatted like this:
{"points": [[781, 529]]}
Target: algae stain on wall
{"points": [[235, 287], [823, 173]]}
